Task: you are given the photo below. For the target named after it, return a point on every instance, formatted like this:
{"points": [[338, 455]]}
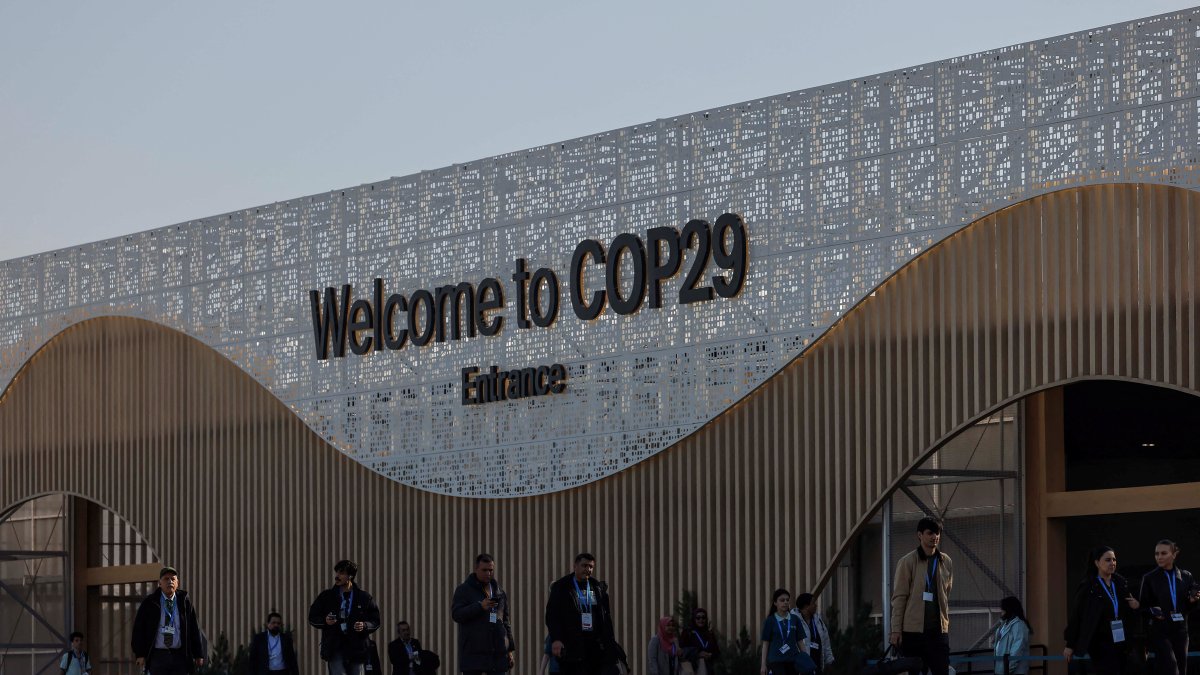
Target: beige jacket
{"points": [[908, 610]]}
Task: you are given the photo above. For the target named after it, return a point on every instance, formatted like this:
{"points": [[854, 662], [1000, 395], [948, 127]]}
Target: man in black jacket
{"points": [[346, 615], [272, 651], [485, 639], [167, 639], [579, 621]]}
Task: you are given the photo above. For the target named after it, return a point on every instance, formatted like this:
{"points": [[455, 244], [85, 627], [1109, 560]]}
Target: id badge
{"points": [[814, 645], [493, 618], [585, 620], [927, 596], [343, 625], [783, 649], [1118, 630], [168, 630], [1177, 616]]}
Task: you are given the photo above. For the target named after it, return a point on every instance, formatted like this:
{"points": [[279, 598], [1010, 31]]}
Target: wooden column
{"points": [[1045, 542]]}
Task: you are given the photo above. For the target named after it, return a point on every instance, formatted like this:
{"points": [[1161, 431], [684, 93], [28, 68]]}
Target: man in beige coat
{"points": [[920, 624]]}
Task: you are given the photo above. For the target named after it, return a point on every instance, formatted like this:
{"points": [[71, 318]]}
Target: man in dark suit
{"points": [[167, 639], [272, 651], [402, 652], [580, 623]]}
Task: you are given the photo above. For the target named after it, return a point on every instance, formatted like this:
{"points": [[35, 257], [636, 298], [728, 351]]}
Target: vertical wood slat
{"points": [[1089, 282]]}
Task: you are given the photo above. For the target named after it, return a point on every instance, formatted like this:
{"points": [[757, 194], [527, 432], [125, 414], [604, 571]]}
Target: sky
{"points": [[118, 117]]}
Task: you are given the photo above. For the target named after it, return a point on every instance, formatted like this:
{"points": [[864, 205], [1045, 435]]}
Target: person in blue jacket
{"points": [[1012, 638]]}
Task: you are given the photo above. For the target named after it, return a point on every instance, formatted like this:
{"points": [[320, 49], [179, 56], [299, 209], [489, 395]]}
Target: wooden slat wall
{"points": [[225, 483]]}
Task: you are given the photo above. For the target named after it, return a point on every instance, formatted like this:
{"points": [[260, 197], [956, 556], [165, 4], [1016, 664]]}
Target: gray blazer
{"points": [[659, 662]]}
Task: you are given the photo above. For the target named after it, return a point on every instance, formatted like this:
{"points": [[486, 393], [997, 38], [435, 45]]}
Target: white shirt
{"points": [[75, 664]]}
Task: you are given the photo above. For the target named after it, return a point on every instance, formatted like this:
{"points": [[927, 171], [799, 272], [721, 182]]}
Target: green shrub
{"points": [[854, 643]]}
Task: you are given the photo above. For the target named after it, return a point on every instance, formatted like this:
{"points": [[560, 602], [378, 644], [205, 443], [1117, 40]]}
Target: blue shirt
{"points": [[780, 631], [275, 652]]}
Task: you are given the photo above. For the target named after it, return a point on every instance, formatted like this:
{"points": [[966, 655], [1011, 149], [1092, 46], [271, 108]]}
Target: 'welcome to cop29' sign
{"points": [[391, 321]]}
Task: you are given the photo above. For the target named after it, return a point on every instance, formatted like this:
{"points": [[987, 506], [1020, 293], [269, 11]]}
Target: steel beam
{"points": [[983, 567], [34, 613]]}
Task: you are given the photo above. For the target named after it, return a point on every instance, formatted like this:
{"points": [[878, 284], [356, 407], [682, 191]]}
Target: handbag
{"points": [[892, 664], [804, 663]]}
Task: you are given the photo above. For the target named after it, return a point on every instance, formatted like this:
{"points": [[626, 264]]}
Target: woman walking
{"points": [[1169, 595], [782, 637], [1102, 615]]}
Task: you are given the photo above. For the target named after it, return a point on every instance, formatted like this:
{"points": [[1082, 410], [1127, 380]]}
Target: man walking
{"points": [[485, 639], [166, 636], [579, 621], [272, 651], [920, 624], [819, 647], [346, 615]]}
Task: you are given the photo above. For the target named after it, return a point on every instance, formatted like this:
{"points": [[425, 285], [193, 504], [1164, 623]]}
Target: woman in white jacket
{"points": [[1012, 638]]}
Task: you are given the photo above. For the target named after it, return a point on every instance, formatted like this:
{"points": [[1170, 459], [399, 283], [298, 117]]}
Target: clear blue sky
{"points": [[117, 117]]}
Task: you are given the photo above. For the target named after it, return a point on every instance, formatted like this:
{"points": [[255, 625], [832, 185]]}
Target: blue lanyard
{"points": [[931, 574], [779, 624], [812, 628], [1112, 595], [699, 639], [1171, 585], [347, 602], [587, 583]]}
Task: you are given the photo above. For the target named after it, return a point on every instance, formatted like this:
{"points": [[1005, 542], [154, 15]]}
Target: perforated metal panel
{"points": [[840, 186]]}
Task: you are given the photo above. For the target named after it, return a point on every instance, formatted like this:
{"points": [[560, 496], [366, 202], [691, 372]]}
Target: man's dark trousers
{"points": [[932, 648], [581, 668], [168, 662]]}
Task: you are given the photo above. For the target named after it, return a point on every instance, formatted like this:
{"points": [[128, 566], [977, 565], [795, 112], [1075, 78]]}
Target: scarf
{"points": [[666, 641]]}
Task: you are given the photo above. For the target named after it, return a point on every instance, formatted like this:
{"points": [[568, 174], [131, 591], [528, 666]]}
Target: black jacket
{"points": [[482, 645], [260, 657], [563, 622], [1156, 592], [398, 655], [145, 627], [353, 646], [1091, 610]]}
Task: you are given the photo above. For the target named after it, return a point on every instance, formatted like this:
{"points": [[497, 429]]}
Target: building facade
{"points": [[709, 349]]}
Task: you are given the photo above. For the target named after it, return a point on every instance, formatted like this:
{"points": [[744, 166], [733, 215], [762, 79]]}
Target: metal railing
{"points": [[983, 661]]}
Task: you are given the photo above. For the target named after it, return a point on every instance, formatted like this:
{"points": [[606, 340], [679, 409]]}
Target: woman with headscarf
{"points": [[700, 648], [1102, 615], [663, 653], [1012, 638]]}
